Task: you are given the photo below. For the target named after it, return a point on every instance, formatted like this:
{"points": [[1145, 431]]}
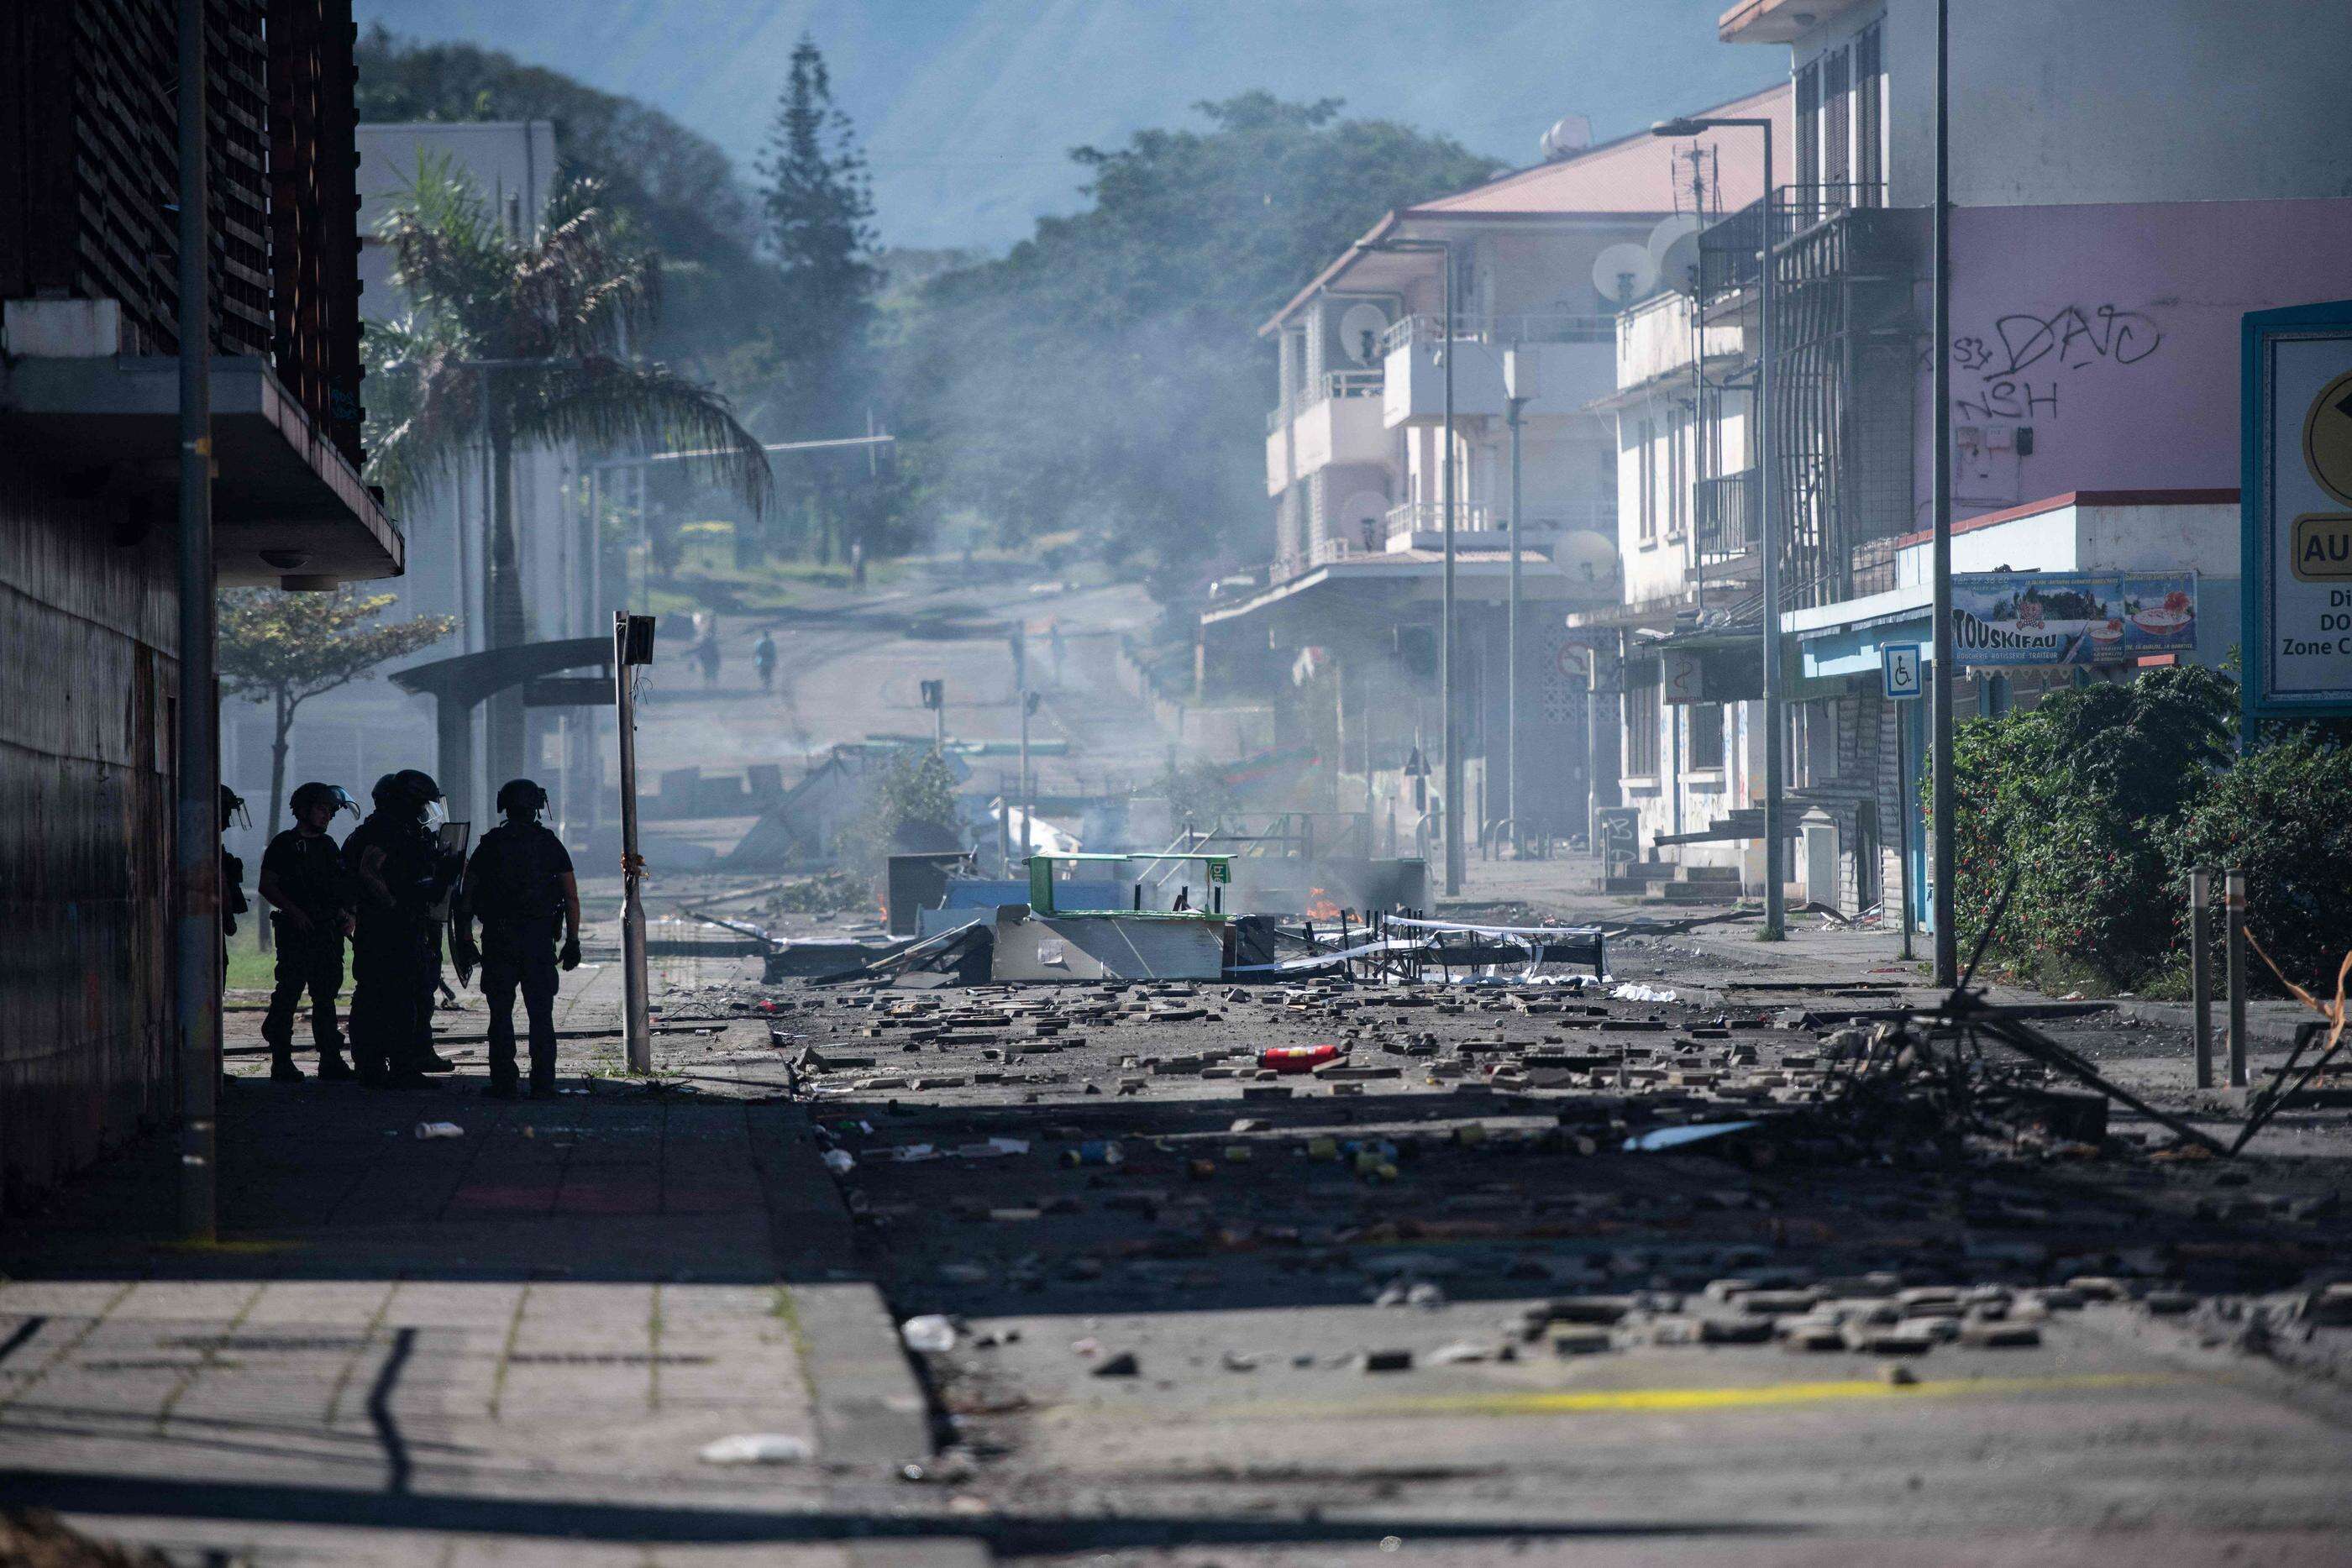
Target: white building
{"points": [[354, 735]]}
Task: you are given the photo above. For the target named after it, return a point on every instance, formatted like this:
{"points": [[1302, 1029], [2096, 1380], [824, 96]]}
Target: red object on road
{"points": [[1297, 1057]]}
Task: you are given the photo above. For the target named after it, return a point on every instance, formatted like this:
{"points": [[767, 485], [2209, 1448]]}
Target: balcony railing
{"points": [[1501, 330], [1726, 514], [1730, 251], [1429, 518], [1334, 384]]}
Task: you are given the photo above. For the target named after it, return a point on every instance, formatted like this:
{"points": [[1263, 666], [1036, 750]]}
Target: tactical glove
{"points": [[570, 957]]}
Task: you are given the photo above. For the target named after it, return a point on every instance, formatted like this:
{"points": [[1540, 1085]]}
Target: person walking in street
{"points": [[309, 896], [764, 659], [518, 884], [401, 871]]}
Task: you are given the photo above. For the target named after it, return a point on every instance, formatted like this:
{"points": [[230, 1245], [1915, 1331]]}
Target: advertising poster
{"points": [[2003, 618]]}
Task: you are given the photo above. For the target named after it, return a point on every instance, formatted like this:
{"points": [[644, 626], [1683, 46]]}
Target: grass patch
{"points": [[250, 968]]}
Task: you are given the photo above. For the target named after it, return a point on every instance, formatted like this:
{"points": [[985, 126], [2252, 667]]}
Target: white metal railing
{"points": [[1429, 518], [1501, 330], [1334, 384]]}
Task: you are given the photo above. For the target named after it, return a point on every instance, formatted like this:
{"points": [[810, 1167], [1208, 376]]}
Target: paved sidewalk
{"points": [[502, 1346]]}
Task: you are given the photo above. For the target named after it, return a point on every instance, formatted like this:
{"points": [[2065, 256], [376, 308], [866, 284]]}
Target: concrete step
{"points": [[1699, 892], [1711, 873]]}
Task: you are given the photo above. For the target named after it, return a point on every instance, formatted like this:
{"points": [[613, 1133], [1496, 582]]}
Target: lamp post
{"points": [[1776, 847], [1940, 741], [1443, 249], [1519, 388]]}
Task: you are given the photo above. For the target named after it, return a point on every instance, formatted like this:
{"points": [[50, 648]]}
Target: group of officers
{"points": [[391, 889]]}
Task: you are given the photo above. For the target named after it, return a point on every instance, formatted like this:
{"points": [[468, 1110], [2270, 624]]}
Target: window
{"points": [[1645, 438], [1642, 720], [1837, 147], [1809, 123], [1705, 728], [1678, 432], [1869, 111]]}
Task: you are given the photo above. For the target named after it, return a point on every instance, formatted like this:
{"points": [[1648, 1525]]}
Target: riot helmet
{"points": [[521, 799], [233, 809], [315, 793]]}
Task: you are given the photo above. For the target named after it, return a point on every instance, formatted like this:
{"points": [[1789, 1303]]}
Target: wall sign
{"points": [[2011, 618], [2297, 501]]}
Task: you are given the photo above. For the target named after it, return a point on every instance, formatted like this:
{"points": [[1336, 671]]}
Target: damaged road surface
{"points": [[1327, 1271]]}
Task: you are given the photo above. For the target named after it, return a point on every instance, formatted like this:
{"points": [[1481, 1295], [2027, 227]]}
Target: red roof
{"points": [[1636, 173]]}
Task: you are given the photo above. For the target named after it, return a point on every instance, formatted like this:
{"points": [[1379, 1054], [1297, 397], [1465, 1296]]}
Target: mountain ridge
{"points": [[968, 109]]}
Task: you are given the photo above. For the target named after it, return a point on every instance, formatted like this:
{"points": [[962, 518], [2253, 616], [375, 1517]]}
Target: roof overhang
{"points": [[1777, 21], [279, 490], [1482, 577]]}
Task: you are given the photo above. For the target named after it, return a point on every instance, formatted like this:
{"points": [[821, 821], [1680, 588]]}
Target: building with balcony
{"points": [[89, 453], [2103, 247], [1358, 455]]}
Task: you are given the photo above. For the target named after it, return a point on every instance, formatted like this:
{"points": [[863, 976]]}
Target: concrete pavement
{"points": [[508, 1345]]}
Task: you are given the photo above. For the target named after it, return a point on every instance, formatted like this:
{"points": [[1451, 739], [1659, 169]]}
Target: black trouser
{"points": [[521, 955], [388, 1017], [310, 961]]}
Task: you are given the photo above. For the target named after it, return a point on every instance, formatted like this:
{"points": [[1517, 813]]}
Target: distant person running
{"points": [[764, 659]]}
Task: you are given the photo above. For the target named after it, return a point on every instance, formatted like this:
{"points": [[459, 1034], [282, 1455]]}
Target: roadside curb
{"points": [[872, 1414]]}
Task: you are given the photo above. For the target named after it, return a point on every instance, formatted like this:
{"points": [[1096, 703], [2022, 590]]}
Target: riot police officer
{"points": [[518, 883], [309, 894], [401, 871]]}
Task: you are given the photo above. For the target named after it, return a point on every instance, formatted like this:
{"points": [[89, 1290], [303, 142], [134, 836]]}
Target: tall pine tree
{"points": [[817, 210]]}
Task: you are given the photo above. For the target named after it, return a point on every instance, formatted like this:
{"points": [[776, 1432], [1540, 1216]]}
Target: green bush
{"points": [[2080, 799], [2284, 815]]}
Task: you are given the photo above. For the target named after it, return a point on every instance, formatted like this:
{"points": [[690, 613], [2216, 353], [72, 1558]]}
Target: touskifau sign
{"points": [[2072, 617], [2296, 496]]}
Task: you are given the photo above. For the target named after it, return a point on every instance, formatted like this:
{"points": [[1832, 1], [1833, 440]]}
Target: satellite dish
{"points": [[1363, 519], [1360, 329], [1669, 230], [1585, 556], [1624, 273], [1674, 246]]}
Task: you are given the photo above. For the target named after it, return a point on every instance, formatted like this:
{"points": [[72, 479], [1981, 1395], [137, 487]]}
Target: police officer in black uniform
{"points": [[517, 884], [305, 885], [401, 871]]}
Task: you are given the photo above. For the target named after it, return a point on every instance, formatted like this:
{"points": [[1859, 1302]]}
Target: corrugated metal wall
{"points": [[88, 629]]}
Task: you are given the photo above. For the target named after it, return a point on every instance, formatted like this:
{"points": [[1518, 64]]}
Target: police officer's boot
{"points": [[333, 1068], [281, 1065]]}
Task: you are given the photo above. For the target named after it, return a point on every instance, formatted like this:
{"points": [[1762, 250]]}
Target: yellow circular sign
{"points": [[2327, 438]]}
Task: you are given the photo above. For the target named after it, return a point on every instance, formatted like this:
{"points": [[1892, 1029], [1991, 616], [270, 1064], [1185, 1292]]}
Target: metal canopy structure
{"points": [[458, 686]]}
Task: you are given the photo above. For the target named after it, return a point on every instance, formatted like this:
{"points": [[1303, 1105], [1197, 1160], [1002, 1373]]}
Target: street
{"points": [[1500, 1338]]}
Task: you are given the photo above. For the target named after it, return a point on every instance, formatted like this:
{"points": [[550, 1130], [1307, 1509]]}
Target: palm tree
{"points": [[523, 339]]}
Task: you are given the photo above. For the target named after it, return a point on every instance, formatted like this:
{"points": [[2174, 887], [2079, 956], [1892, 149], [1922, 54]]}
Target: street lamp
{"points": [[1776, 847], [1452, 743]]}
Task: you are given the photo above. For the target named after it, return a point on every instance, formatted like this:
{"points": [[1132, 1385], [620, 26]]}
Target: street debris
{"points": [[759, 1448], [439, 1130]]}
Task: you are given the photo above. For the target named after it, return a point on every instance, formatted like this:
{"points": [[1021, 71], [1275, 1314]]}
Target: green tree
{"points": [[910, 789], [816, 213], [2279, 816], [521, 339], [679, 186], [283, 649], [1105, 375]]}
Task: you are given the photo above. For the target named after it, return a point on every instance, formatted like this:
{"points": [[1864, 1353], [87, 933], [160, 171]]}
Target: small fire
{"points": [[1320, 906]]}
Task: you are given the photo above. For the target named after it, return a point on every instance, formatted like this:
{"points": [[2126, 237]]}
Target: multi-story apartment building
{"points": [[2105, 245], [354, 734], [90, 449], [1344, 631]]}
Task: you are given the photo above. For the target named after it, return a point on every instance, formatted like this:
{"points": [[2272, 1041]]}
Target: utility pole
{"points": [[196, 765], [633, 645], [1940, 741], [1020, 695], [1519, 387]]}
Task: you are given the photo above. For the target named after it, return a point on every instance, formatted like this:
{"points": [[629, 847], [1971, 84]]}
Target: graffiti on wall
{"points": [[2019, 368]]}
